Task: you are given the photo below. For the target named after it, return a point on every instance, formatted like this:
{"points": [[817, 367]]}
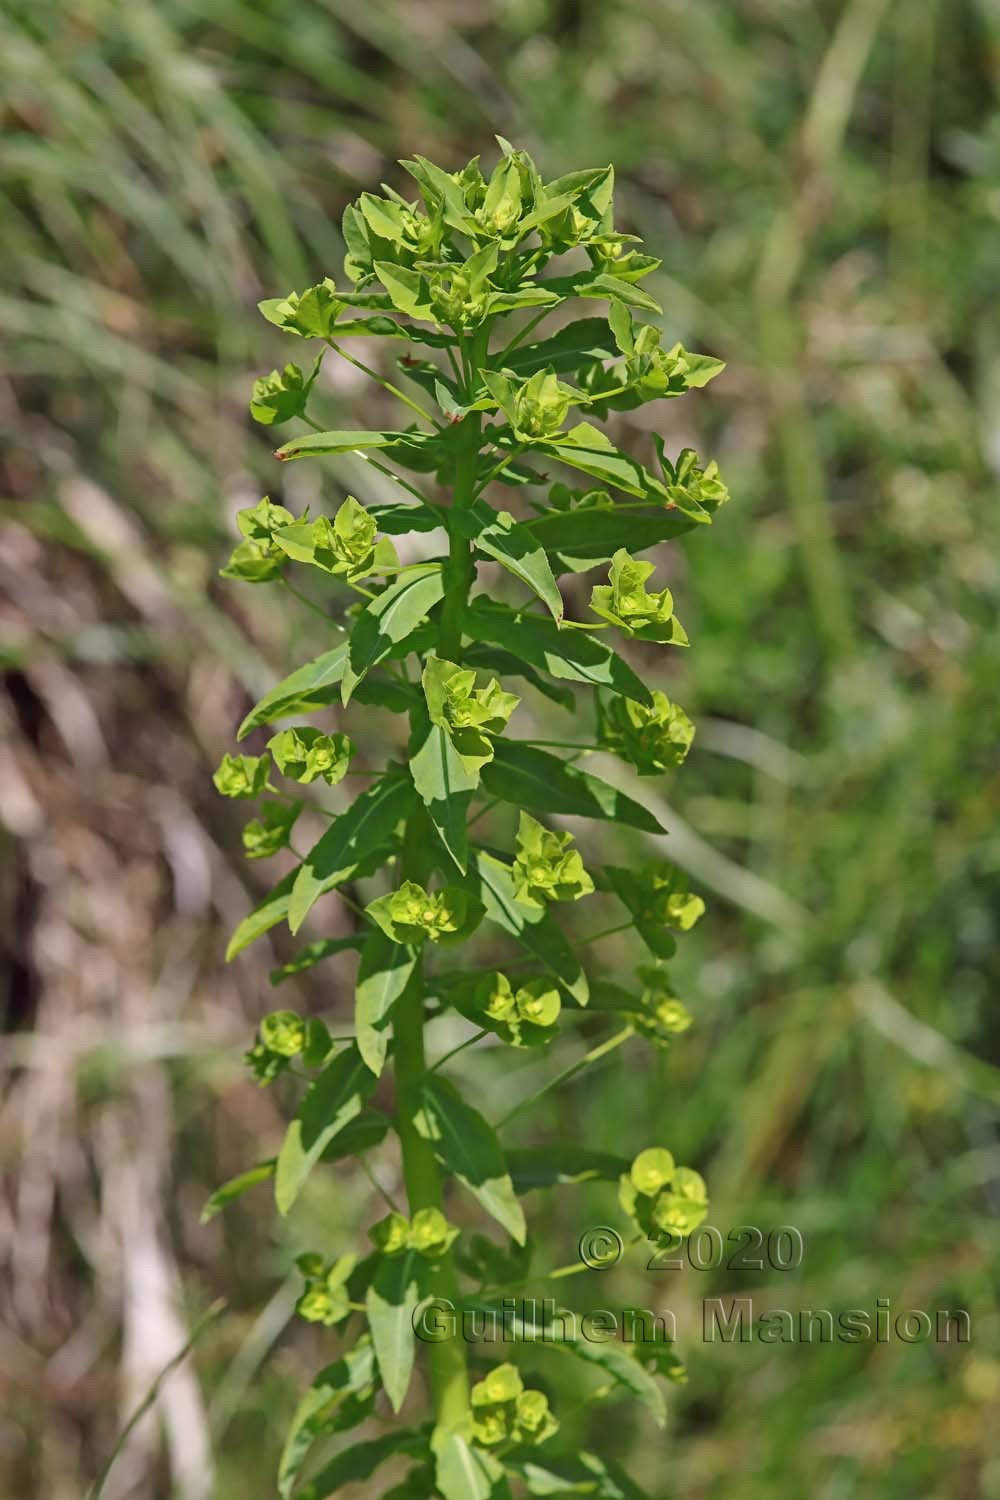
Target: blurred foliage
{"points": [[825, 179]]}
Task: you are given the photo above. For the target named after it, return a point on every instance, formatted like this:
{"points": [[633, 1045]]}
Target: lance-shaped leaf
{"points": [[391, 1303], [466, 1146], [528, 777], [314, 953], [236, 1187], [603, 286], [321, 1409], [408, 290], [584, 1474], [533, 927], [568, 654], [508, 665], [498, 535], [360, 1462], [556, 1165], [558, 1328], [313, 685], [362, 1134], [565, 351], [389, 619], [314, 444], [397, 518], [383, 974], [445, 786], [265, 915], [351, 838], [586, 448], [331, 1102], [579, 539], [466, 1473]]}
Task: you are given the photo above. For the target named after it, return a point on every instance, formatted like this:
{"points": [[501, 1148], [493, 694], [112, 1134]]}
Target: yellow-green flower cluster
{"points": [[541, 405], [242, 775], [304, 754], [652, 737], [690, 487], [525, 1016], [258, 559], [667, 900], [545, 867], [265, 835], [626, 602], [282, 1036], [428, 1233], [283, 394], [326, 1299], [412, 914], [503, 1410], [663, 1016], [468, 715], [664, 1201], [310, 314], [347, 545]]}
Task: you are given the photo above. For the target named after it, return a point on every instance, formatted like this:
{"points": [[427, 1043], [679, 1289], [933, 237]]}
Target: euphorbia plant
{"points": [[452, 841]]}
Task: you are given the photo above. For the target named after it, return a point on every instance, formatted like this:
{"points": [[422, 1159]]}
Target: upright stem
{"points": [[446, 1361]]}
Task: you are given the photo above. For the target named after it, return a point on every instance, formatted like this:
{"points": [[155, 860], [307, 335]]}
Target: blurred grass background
{"points": [[823, 182]]}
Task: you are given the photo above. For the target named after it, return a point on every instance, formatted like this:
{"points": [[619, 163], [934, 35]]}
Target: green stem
{"points": [[446, 1361], [309, 603], [469, 1042], [459, 570], [521, 335], [567, 1073], [386, 385]]}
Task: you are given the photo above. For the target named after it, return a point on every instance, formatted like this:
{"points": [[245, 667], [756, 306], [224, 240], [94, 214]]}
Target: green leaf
{"points": [[625, 1370], [360, 1462], [407, 289], [467, 1473], [389, 619], [586, 448], [557, 1165], [587, 338], [352, 836], [309, 686], [514, 547], [383, 975], [599, 284], [532, 295], [235, 1187], [508, 665], [391, 1302], [267, 914], [615, 1359], [319, 1411], [533, 926], [332, 1100], [467, 1146], [585, 1474], [361, 1134], [527, 777], [315, 443], [314, 953], [576, 540], [567, 654], [445, 787], [396, 519]]}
